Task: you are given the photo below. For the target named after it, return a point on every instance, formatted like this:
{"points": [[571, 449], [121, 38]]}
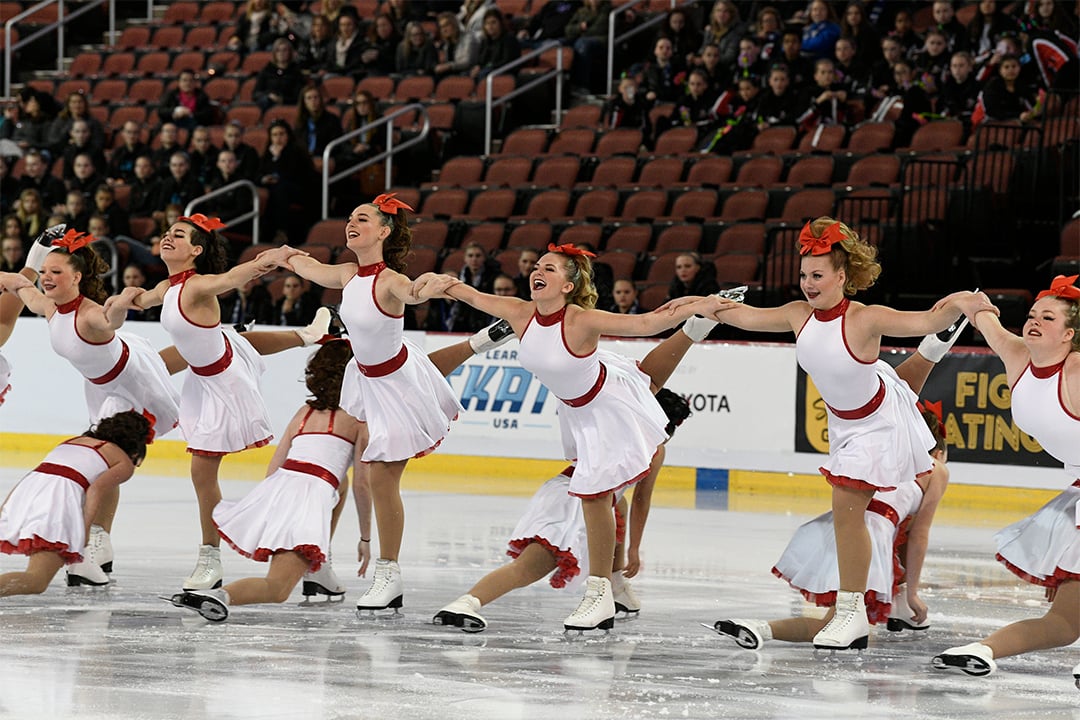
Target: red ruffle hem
{"points": [[877, 610], [566, 565], [3, 393], [311, 553], [216, 453], [1053, 581], [617, 488], [845, 481], [29, 546]]}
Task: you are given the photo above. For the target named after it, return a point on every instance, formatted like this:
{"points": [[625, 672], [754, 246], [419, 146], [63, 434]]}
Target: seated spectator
{"points": [[171, 215], [1009, 45], [36, 176], [12, 257], [247, 158], [76, 215], [346, 57], [315, 125], [135, 277], [628, 109], [715, 72], [85, 176], [9, 185], [479, 271], [664, 75], [692, 277], [203, 156], [497, 45], [933, 61], [724, 30], [1049, 16], [145, 188], [416, 53], [504, 285], [915, 102], [984, 30], [626, 297], [280, 80], [104, 204], [186, 104], [285, 169], [471, 15], [882, 76], [1006, 98], [587, 32], [75, 109], [256, 28], [945, 22], [856, 27], [180, 187], [737, 115], [526, 263], [851, 74], [960, 92], [800, 69], [247, 305], [295, 307], [749, 62], [904, 32], [458, 51], [768, 29], [820, 34], [168, 142], [825, 102], [547, 24], [79, 142], [232, 203], [315, 52], [27, 123], [380, 47], [685, 38], [137, 252], [121, 167], [696, 109]]}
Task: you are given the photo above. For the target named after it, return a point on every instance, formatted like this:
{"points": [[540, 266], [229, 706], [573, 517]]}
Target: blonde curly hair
{"points": [[855, 256], [579, 272]]}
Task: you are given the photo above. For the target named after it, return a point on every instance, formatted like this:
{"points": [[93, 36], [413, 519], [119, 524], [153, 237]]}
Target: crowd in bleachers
{"points": [[727, 120]]}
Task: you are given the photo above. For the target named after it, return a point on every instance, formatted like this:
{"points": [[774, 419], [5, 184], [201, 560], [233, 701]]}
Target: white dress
{"points": [[290, 509], [221, 410], [125, 373], [5, 377], [611, 423], [392, 386], [877, 438], [1044, 548], [45, 510]]}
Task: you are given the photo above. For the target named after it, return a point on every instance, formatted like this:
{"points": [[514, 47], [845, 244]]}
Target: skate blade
{"points": [[899, 625], [967, 664], [465, 624], [859, 643], [315, 602], [375, 615], [80, 581], [172, 600], [627, 615], [606, 624], [313, 588]]}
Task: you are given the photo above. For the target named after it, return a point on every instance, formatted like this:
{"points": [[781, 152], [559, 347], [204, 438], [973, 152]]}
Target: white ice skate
{"points": [[207, 574], [211, 604], [622, 592], [596, 611], [933, 347], [43, 245], [749, 634], [849, 629], [324, 581], [91, 570], [973, 659], [102, 543], [901, 614], [1076, 676], [491, 337], [317, 332], [463, 613], [697, 327], [387, 589]]}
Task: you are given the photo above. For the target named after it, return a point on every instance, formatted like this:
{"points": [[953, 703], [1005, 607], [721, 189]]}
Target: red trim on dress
{"points": [[218, 366], [369, 270], [866, 410], [877, 609], [386, 367], [1044, 373], [29, 546], [884, 510], [311, 469], [75, 323], [845, 481], [4, 392], [566, 564], [1051, 581], [618, 487], [311, 553], [223, 453], [181, 276], [180, 301], [592, 392], [71, 305], [832, 313], [48, 468], [549, 320], [121, 363]]}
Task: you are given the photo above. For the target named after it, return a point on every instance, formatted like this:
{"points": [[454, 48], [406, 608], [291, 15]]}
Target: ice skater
{"points": [[1042, 366], [878, 441], [604, 395], [47, 515]]}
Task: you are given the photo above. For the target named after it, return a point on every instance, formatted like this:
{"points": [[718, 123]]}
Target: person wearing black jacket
{"points": [[180, 187], [497, 45], [960, 92], [186, 104], [280, 80], [549, 23]]}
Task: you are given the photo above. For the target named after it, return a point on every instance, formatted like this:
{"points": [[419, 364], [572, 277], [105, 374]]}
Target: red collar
{"points": [[369, 270], [181, 276], [552, 319], [1049, 371], [67, 307], [832, 313]]}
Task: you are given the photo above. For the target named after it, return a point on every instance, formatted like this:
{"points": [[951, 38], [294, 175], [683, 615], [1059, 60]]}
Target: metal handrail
{"points": [[61, 20], [627, 35], [387, 155], [490, 104], [253, 214]]}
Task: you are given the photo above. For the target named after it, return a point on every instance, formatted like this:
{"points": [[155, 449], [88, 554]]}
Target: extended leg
{"points": [[1060, 626], [40, 570], [533, 564], [286, 569]]}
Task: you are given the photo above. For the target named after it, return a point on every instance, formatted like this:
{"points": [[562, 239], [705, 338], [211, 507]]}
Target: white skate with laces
{"points": [[596, 611], [698, 327], [901, 614], [491, 337], [849, 629], [207, 574], [323, 581], [386, 591], [91, 571], [622, 592]]}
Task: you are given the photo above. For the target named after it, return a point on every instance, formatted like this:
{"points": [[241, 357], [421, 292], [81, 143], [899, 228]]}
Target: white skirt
{"points": [[5, 377], [809, 564], [554, 519], [408, 412], [224, 413], [144, 384], [1044, 548], [889, 447], [614, 436], [287, 511], [44, 512]]}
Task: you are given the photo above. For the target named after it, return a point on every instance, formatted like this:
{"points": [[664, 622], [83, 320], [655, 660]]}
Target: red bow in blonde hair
{"points": [[206, 224], [389, 204], [937, 410], [73, 240], [810, 245], [1062, 286], [153, 421], [569, 249]]}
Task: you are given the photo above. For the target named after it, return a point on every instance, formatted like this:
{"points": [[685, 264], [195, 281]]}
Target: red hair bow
{"points": [[810, 245], [153, 421], [206, 224], [389, 204], [1062, 287], [939, 412], [73, 240], [569, 249]]}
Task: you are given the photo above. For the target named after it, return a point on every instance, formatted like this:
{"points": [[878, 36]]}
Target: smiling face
{"points": [[549, 280], [177, 247], [1046, 327], [822, 284], [59, 280], [365, 230]]}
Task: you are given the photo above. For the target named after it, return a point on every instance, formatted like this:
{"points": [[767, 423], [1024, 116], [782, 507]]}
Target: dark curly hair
{"points": [[937, 429], [127, 430], [214, 259], [324, 373], [399, 242], [676, 408], [85, 260]]}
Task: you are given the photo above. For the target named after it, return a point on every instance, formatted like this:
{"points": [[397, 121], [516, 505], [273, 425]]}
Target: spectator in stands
{"points": [[724, 30], [31, 215], [145, 188], [416, 53], [548, 23], [203, 155], [692, 277], [526, 264], [12, 257], [882, 75], [945, 22], [741, 115], [137, 252], [75, 214], [180, 187], [280, 80], [664, 75], [777, 103], [1008, 45], [820, 34], [914, 100], [135, 277], [768, 29], [235, 202], [9, 186], [628, 108], [85, 176], [960, 92], [1049, 16], [186, 104], [748, 63], [904, 31], [458, 50], [316, 51], [587, 33], [315, 125], [852, 75], [933, 61], [105, 205], [79, 142], [1006, 98], [479, 271], [172, 214], [695, 109], [403, 12], [121, 167], [626, 297], [685, 38], [498, 46], [168, 142], [800, 70], [985, 28], [27, 123], [75, 109], [856, 26], [332, 9], [715, 72], [471, 16], [246, 305], [247, 158], [825, 102], [504, 285], [256, 29], [347, 55], [295, 307], [364, 110], [285, 169], [36, 176], [380, 47]]}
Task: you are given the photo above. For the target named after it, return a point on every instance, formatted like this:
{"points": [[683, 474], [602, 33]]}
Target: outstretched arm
{"points": [[919, 538], [639, 514], [1009, 347], [25, 291], [786, 318], [328, 276]]}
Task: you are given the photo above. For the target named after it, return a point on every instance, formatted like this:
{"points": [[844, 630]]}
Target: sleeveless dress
{"points": [[5, 377], [392, 385], [125, 373], [290, 509], [877, 438], [809, 563], [611, 424], [1044, 548], [221, 410], [45, 510]]}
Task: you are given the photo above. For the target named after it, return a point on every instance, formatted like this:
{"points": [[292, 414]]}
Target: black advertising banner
{"points": [[975, 400]]}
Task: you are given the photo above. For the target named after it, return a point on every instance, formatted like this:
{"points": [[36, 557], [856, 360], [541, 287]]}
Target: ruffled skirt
{"points": [[1044, 548], [5, 377], [144, 384], [44, 512], [554, 519]]}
